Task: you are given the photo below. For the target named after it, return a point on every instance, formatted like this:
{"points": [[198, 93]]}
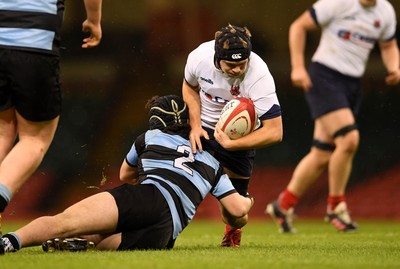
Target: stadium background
{"points": [[143, 53]]}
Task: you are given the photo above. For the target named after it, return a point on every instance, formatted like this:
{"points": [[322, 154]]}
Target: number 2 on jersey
{"points": [[180, 162]]}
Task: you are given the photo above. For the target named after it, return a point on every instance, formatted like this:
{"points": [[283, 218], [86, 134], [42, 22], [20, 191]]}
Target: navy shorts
{"points": [[331, 91], [144, 218], [30, 82], [240, 162]]}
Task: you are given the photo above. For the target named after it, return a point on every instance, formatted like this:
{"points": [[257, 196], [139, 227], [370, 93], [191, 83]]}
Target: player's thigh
{"points": [[95, 214], [8, 129], [330, 123], [35, 90], [238, 164], [43, 130]]}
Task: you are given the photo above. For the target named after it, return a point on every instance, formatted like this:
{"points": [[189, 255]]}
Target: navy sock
{"points": [[3, 204], [15, 242], [5, 197]]}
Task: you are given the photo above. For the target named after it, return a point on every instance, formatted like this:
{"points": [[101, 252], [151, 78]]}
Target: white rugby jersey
{"points": [[350, 31], [217, 88]]}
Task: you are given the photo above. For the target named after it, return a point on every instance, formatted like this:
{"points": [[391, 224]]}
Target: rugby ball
{"points": [[238, 117]]}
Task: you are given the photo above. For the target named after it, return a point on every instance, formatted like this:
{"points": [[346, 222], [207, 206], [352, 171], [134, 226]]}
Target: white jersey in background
{"points": [[216, 88], [350, 31]]}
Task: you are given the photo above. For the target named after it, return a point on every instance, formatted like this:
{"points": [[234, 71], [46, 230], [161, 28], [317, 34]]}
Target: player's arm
{"points": [[297, 42], [128, 173], [270, 132], [390, 58], [192, 99], [235, 208], [92, 24]]}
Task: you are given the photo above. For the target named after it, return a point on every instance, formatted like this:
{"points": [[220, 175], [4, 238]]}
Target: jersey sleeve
{"points": [[194, 60], [266, 100], [389, 30], [323, 11], [137, 147], [190, 69], [223, 186]]}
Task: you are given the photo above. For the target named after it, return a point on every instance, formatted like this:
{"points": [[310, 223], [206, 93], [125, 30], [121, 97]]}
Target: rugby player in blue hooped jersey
{"points": [[30, 92], [350, 29], [165, 183]]}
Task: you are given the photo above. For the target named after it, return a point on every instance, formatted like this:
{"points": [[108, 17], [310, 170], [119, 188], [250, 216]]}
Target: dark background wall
{"points": [[143, 53]]}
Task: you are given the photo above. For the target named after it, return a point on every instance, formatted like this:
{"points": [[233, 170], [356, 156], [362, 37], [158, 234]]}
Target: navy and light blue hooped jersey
{"points": [[32, 25], [166, 161]]}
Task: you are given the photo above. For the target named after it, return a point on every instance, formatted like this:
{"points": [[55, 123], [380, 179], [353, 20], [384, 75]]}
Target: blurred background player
{"points": [[216, 72], [165, 183], [350, 29], [30, 95]]}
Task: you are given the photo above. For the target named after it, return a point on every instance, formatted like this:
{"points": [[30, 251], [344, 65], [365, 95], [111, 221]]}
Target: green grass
{"points": [[317, 245]]}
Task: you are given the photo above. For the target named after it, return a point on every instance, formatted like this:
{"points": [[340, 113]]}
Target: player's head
{"points": [[166, 111], [232, 43], [368, 3]]}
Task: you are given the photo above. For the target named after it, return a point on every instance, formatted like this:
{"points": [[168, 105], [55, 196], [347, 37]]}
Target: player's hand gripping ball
{"points": [[238, 118]]}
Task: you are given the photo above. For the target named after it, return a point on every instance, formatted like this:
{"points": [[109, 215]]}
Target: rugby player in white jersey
{"points": [[215, 73], [350, 30]]}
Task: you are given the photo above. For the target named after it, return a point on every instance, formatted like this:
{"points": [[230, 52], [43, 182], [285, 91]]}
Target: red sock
{"points": [[229, 228], [333, 201], [287, 200]]}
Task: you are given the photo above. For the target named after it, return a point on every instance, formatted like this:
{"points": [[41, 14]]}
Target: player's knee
{"points": [[236, 222], [347, 138], [323, 146], [321, 153]]}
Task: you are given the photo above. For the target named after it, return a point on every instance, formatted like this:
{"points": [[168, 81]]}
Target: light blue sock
{"points": [[5, 193]]}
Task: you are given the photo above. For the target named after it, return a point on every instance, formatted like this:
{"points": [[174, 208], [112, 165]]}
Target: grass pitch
{"points": [[316, 245]]}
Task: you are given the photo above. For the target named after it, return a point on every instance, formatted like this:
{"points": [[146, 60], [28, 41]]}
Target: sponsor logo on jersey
{"points": [[357, 37], [208, 80], [215, 98]]}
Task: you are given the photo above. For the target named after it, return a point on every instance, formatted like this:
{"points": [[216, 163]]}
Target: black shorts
{"points": [[331, 91], [30, 82], [144, 218], [240, 162]]}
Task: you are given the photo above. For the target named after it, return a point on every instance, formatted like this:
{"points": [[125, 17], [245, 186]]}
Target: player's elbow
{"points": [[275, 136], [235, 221], [278, 136]]}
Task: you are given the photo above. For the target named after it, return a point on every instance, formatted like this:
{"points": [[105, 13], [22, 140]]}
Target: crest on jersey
{"points": [[377, 23], [235, 90]]}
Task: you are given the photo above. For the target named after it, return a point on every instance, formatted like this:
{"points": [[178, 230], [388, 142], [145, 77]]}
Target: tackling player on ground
{"points": [[165, 183], [350, 29], [215, 73]]}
